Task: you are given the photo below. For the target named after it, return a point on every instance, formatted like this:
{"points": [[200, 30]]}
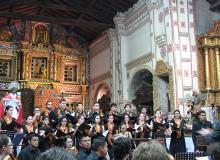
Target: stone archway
{"points": [[103, 97], [141, 89]]}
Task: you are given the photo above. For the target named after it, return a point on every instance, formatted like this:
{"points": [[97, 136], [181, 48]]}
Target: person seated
{"points": [[84, 147], [99, 150], [6, 148], [56, 153], [68, 144], [150, 150], [159, 137], [31, 152], [121, 148]]}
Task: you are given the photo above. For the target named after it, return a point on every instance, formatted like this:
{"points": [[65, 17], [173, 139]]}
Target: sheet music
{"points": [[202, 158], [204, 131], [105, 133]]}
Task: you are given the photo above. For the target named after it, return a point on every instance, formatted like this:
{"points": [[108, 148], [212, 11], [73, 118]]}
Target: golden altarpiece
{"points": [[209, 63], [51, 71]]}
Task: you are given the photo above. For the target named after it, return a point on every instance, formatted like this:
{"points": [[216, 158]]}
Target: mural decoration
{"points": [[5, 35], [17, 29]]}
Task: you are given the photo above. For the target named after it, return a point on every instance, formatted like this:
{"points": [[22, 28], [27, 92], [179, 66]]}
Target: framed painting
{"points": [[39, 68]]}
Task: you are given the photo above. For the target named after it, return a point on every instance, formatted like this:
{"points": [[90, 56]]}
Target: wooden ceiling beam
{"points": [[46, 5], [56, 20], [215, 6], [119, 7]]}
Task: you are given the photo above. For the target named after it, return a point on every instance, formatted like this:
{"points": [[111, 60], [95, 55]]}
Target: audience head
{"points": [[100, 147], [159, 137], [56, 153], [33, 140], [6, 147], [68, 142], [214, 150], [29, 119], [150, 150], [85, 142], [121, 148]]}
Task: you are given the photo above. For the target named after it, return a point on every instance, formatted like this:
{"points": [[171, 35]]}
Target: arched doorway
{"points": [[141, 90], [103, 97]]}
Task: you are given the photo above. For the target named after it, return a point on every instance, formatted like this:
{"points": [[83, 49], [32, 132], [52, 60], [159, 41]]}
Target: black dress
{"points": [[12, 126], [177, 143]]}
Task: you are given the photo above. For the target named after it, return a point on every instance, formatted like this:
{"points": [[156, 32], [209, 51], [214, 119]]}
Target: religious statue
{"points": [[13, 98], [44, 73]]}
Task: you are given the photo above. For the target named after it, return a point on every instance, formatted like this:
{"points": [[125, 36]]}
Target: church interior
{"points": [[158, 53], [155, 61]]}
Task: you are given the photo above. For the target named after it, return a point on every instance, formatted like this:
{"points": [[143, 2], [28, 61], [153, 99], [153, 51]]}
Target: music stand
{"points": [[188, 155], [8, 133], [200, 141], [18, 138]]}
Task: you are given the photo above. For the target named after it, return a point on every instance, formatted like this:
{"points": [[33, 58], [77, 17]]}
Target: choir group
{"points": [[63, 128]]}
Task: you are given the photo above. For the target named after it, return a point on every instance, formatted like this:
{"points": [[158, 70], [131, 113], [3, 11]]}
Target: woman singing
{"points": [[177, 143]]}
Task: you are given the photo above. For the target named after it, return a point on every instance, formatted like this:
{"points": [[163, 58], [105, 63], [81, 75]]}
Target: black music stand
{"points": [[188, 155], [8, 133]]}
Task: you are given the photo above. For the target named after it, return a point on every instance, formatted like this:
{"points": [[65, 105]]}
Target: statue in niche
{"points": [[40, 34], [44, 73]]}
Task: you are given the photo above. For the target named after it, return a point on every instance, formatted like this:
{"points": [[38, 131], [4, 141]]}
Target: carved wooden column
{"points": [[24, 69], [84, 96], [207, 71], [55, 68], [218, 67]]}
